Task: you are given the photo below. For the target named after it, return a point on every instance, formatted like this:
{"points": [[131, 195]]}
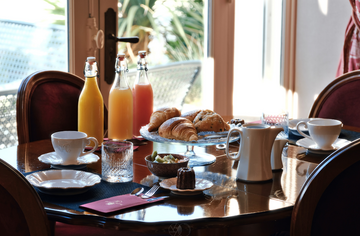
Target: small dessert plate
{"points": [[200, 185], [63, 182], [53, 159], [312, 147]]}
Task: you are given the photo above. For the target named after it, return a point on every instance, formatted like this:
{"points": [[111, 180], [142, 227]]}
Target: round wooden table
{"points": [[230, 207]]}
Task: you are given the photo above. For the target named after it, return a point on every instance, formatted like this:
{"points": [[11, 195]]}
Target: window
{"points": [[33, 37], [258, 78], [175, 30], [170, 31]]}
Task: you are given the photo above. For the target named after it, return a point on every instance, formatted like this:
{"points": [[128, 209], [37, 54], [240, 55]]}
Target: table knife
{"points": [[157, 198]]}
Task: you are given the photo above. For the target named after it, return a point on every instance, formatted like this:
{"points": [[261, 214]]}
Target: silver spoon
{"points": [[137, 191]]}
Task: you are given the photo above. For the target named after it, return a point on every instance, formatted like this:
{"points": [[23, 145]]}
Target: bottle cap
{"points": [[142, 54], [90, 59], [121, 56]]}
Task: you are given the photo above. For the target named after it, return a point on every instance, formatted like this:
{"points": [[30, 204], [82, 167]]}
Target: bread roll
{"points": [[190, 114], [178, 128], [207, 120], [161, 115]]}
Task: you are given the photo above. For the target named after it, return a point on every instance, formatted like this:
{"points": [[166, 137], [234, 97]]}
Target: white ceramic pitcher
{"points": [[276, 152], [254, 151]]}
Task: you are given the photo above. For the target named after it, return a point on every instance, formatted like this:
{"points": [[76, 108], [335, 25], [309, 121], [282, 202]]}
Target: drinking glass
{"points": [[117, 161], [278, 119]]}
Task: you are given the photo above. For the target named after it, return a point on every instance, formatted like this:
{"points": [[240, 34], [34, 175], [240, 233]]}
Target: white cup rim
{"points": [[69, 135], [261, 126], [324, 122]]}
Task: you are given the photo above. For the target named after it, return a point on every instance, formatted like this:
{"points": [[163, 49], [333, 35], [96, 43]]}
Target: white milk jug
{"points": [[254, 151]]}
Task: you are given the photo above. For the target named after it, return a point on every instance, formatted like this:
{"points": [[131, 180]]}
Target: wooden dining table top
{"points": [[229, 206]]}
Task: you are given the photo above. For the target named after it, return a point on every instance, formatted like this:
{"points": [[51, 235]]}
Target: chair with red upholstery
{"points": [[47, 102], [328, 202], [22, 211], [340, 100]]}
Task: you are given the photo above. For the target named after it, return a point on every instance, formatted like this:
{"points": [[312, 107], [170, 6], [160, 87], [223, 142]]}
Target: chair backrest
{"points": [[171, 82], [340, 100], [328, 203], [22, 211], [47, 102]]}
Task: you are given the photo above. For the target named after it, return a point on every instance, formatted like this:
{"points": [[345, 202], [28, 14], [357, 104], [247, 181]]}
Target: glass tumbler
{"points": [[117, 161], [278, 119]]}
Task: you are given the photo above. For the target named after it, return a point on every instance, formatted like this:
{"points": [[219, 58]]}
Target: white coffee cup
{"points": [[69, 145], [323, 132]]}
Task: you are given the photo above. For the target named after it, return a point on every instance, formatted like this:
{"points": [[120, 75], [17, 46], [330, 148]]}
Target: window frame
{"points": [[79, 11], [221, 51]]}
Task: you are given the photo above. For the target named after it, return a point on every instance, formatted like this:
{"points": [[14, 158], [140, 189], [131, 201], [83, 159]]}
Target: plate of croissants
{"points": [[196, 127]]}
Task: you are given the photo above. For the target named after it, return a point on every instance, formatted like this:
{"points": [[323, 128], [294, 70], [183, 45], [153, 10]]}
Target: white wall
{"points": [[319, 38]]}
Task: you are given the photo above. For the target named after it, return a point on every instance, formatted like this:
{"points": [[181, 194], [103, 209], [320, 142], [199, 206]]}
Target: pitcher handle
{"points": [[227, 144], [300, 132], [94, 148]]}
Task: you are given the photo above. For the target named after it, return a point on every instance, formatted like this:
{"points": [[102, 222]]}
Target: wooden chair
{"points": [[47, 102], [328, 203], [22, 211], [340, 100]]}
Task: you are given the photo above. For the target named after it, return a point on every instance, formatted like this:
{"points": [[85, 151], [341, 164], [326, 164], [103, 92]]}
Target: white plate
{"points": [[63, 182], [56, 162], [312, 147], [207, 138], [200, 185]]}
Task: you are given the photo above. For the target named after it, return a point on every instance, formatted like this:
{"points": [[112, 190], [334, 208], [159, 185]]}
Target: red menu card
{"points": [[117, 203]]}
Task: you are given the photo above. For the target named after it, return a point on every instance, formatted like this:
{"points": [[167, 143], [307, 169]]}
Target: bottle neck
{"points": [[142, 64], [90, 70], [120, 81], [141, 76], [91, 81]]}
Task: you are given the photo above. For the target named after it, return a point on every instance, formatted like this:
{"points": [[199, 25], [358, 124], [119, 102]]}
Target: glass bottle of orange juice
{"points": [[91, 104], [120, 103], [142, 95]]}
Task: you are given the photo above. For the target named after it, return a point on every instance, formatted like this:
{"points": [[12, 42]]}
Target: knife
{"points": [[157, 198]]}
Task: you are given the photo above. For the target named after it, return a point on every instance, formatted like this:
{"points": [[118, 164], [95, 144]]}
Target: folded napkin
{"points": [[117, 203]]}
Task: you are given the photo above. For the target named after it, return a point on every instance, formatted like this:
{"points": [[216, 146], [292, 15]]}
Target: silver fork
{"points": [[151, 191]]}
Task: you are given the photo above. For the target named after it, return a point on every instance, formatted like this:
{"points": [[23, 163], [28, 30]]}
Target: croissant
{"points": [[161, 115], [190, 114], [178, 128], [208, 120]]}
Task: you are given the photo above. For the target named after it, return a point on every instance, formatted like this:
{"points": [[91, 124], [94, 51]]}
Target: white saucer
{"points": [[200, 185], [56, 162], [63, 182], [312, 147]]}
